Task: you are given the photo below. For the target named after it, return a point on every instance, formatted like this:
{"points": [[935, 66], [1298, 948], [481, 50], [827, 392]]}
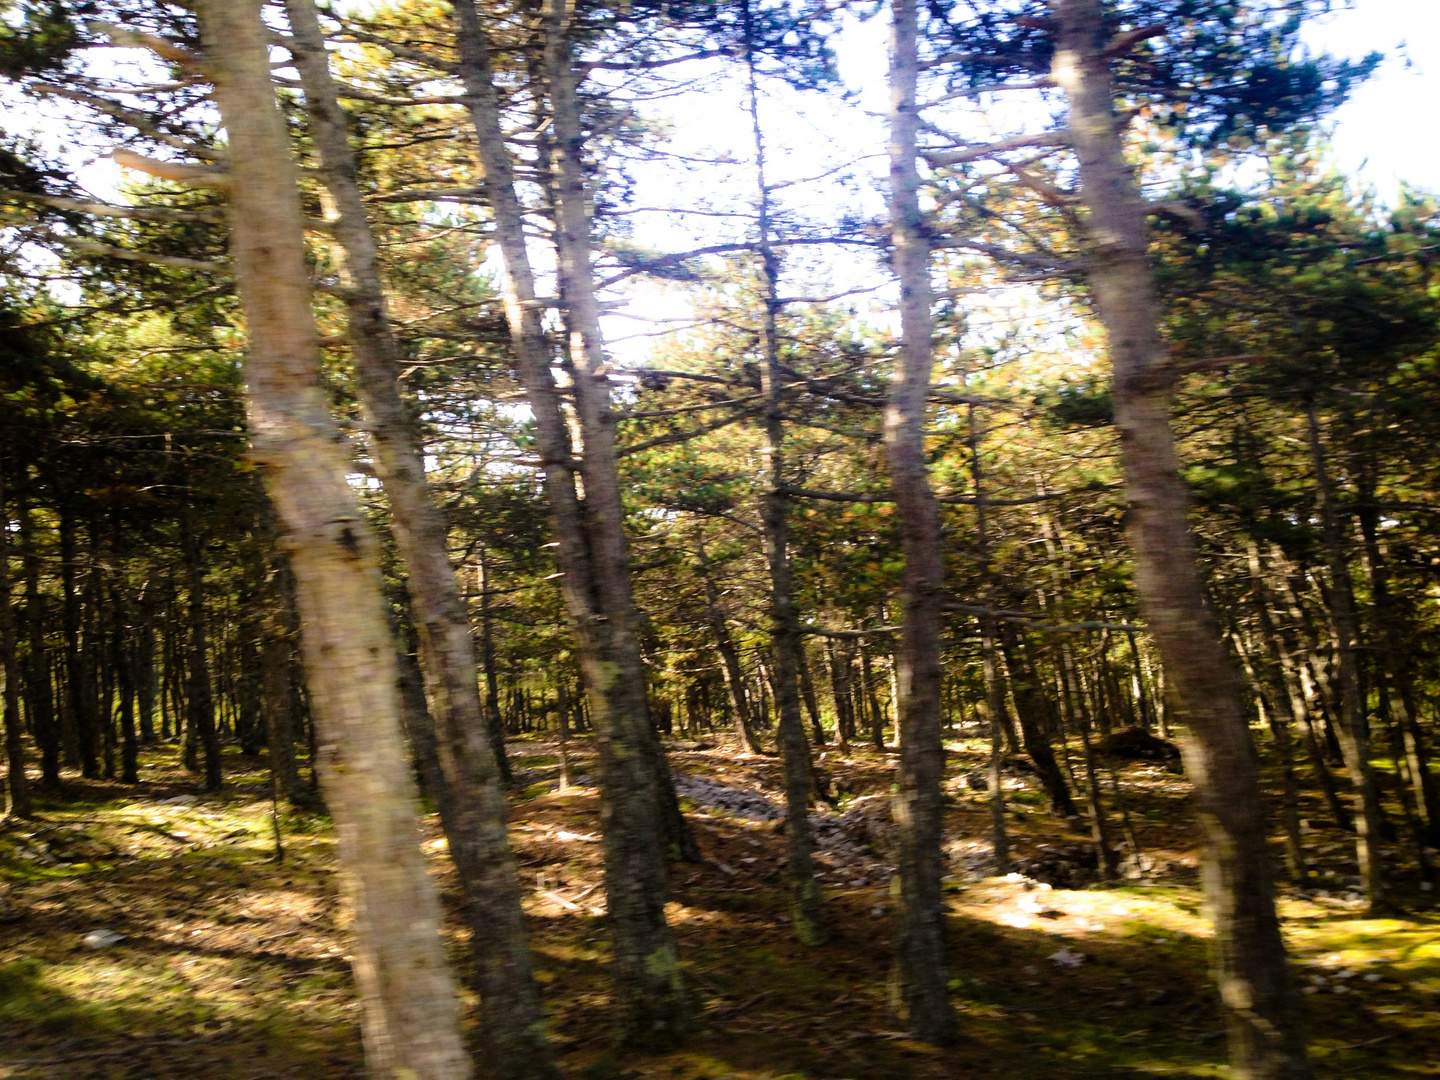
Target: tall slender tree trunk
{"points": [[919, 809], [604, 507], [1284, 750], [729, 657], [494, 723], [1073, 678], [812, 701], [95, 659], [1398, 688], [839, 666], [409, 1018], [596, 581], [200, 732], [1353, 729], [17, 782], [476, 825], [875, 714], [125, 681], [1249, 954], [278, 718], [1278, 713], [145, 664], [39, 695], [78, 722], [1031, 707], [994, 691], [805, 909]]}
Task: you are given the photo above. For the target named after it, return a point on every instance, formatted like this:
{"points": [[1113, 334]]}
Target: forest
{"points": [[583, 538]]}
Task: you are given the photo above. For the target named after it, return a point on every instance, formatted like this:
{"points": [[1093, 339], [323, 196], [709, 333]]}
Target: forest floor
{"points": [[233, 966]]}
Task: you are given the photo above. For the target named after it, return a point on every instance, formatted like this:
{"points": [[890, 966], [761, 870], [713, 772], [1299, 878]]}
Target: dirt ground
{"points": [[233, 965]]}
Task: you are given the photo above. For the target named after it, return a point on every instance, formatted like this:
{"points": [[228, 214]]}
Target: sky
{"points": [[1385, 135], [1391, 125]]}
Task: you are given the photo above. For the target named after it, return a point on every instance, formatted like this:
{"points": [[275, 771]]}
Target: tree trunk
{"points": [[476, 825], [18, 783], [494, 724], [279, 720], [1284, 750], [1278, 712], [840, 691], [125, 679], [1030, 708], [1353, 733], [920, 941], [592, 558], [409, 1019], [1073, 677], [39, 695], [200, 731], [1399, 687], [805, 909], [78, 722], [994, 691], [812, 701], [1251, 967], [872, 700], [145, 664], [729, 656]]}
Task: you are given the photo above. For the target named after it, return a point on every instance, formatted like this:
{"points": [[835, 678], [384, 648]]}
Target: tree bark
{"points": [[919, 808], [494, 723], [1030, 709], [805, 909], [78, 722], [596, 581], [1250, 962], [39, 695], [200, 731], [1353, 733], [145, 664], [125, 680], [513, 1018], [729, 658], [1398, 687], [409, 1019], [17, 782]]}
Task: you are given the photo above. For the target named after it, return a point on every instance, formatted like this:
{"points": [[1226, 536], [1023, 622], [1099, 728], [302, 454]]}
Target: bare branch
{"points": [[90, 247], [989, 88], [1001, 146], [133, 39], [1126, 40], [683, 436], [100, 209], [175, 172]]}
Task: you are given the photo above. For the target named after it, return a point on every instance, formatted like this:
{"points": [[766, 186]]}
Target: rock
{"points": [[1063, 866], [179, 800], [1137, 744], [1066, 958], [101, 939]]}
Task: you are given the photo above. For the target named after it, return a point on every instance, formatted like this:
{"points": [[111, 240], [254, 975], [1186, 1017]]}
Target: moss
{"points": [[27, 1000]]}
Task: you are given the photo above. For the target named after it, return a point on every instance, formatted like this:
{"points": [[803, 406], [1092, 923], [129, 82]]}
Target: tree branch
{"points": [[175, 172], [100, 209], [975, 153]]}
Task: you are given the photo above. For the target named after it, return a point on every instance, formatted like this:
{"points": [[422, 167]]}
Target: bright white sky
{"points": [[1384, 125], [1380, 136]]}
